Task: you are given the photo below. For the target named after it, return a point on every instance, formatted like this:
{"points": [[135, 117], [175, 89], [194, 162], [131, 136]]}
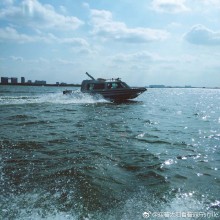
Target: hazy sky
{"points": [[171, 42]]}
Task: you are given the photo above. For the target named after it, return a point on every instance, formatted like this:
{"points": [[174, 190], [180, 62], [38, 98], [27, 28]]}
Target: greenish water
{"points": [[80, 157]]}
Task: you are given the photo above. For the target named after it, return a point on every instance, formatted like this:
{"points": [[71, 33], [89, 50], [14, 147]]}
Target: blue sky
{"points": [[171, 42]]}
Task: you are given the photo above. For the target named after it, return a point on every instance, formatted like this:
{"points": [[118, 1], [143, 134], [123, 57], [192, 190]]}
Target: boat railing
{"points": [[110, 80], [103, 80], [114, 79]]}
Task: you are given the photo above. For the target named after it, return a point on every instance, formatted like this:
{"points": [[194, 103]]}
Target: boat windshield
{"points": [[116, 85], [124, 85]]}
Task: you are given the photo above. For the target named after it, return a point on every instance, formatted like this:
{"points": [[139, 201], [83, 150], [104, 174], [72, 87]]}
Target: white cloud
{"points": [[211, 2], [9, 34], [36, 15], [74, 42], [15, 58], [65, 62], [145, 58], [174, 25], [7, 2], [201, 35], [85, 5], [169, 6], [142, 56], [104, 26], [63, 9]]}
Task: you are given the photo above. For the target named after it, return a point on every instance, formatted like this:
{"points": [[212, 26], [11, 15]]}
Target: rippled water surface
{"points": [[81, 157]]}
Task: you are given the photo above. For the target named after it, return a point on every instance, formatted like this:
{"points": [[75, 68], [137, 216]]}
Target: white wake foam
{"points": [[56, 98]]}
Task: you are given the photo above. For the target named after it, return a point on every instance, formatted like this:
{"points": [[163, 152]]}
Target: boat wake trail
{"points": [[76, 97]]}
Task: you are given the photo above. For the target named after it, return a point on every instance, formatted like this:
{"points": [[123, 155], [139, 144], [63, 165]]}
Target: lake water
{"points": [[79, 157]]}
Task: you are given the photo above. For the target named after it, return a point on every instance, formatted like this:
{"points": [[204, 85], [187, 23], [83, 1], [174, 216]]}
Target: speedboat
{"points": [[110, 89]]}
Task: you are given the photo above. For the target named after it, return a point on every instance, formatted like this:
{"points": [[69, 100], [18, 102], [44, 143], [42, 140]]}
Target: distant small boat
{"points": [[110, 89]]}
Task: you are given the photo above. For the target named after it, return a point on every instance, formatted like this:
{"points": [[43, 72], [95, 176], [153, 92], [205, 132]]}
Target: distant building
{"points": [[22, 80], [29, 81], [14, 80], [57, 83], [40, 82], [4, 80]]}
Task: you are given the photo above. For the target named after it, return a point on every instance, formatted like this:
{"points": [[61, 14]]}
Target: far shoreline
{"points": [[79, 85], [35, 84]]}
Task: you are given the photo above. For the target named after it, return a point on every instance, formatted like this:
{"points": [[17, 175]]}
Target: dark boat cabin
{"points": [[90, 85]]}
